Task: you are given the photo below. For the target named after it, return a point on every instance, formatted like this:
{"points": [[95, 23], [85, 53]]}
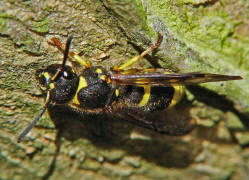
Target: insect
{"points": [[137, 95]]}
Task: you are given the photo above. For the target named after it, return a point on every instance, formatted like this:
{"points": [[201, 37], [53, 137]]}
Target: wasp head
{"points": [[58, 83], [61, 82]]}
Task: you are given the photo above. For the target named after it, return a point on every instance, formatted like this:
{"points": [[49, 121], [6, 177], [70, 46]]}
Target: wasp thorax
{"points": [[62, 83]]}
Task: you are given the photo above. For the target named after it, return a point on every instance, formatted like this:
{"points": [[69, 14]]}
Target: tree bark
{"points": [[199, 35]]}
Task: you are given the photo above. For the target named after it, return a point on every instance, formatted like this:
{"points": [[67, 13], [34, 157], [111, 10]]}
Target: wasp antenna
{"points": [[69, 40], [31, 125]]}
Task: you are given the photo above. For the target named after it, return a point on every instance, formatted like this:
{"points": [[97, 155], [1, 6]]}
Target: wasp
{"points": [[136, 95]]}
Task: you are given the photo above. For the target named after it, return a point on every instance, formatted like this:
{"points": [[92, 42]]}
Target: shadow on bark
{"points": [[211, 98], [108, 133]]}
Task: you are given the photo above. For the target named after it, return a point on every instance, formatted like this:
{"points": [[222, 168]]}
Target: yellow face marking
{"points": [[178, 94], [46, 75], [146, 96], [43, 88], [102, 77], [82, 84], [51, 86], [99, 71], [117, 92]]}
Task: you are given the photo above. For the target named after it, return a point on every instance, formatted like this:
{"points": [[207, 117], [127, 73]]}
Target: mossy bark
{"points": [[207, 36]]}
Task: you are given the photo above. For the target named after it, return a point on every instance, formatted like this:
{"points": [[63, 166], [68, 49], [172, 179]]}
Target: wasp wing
{"points": [[171, 122], [161, 79]]}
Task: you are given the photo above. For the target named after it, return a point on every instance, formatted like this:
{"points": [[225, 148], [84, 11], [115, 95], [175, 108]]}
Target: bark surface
{"points": [[199, 35]]}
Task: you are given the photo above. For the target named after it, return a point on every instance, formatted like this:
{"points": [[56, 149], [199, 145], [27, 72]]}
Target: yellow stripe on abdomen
{"points": [[178, 94], [146, 96]]}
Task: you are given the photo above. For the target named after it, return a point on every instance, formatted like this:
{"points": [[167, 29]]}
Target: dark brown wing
{"points": [[160, 79], [171, 122]]}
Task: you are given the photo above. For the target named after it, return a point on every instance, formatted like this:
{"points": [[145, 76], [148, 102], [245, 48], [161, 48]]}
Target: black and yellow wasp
{"points": [[137, 95]]}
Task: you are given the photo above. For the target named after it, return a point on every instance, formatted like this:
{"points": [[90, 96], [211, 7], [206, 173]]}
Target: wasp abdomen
{"points": [[149, 98]]}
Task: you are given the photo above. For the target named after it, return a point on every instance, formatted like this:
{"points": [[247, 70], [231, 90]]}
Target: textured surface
{"points": [[203, 35]]}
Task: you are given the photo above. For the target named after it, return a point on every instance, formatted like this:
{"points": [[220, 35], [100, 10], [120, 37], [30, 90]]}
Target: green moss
{"points": [[41, 26], [90, 164], [5, 15], [29, 41], [3, 24], [113, 156], [132, 161], [11, 1], [210, 32], [117, 171], [142, 14], [242, 138], [233, 122], [82, 158]]}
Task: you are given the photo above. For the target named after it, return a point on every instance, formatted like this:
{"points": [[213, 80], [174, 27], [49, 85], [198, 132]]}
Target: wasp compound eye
{"points": [[67, 75]]}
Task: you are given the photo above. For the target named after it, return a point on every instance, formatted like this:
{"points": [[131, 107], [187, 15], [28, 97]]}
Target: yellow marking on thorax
{"points": [[117, 92], [146, 96], [178, 94], [82, 84], [43, 88], [46, 75]]}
